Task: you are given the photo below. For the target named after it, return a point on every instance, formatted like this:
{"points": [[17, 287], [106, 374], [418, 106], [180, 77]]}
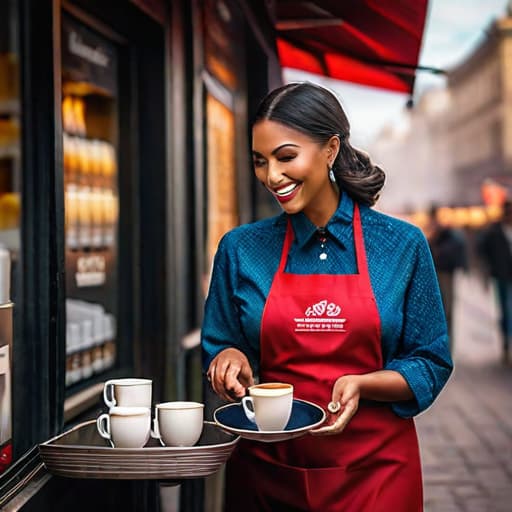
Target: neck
{"points": [[320, 216]]}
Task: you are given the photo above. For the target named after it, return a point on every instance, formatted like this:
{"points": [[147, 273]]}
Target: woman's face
{"points": [[294, 168]]}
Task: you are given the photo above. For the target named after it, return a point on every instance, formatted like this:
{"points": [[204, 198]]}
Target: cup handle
{"points": [[104, 432], [155, 431], [248, 412], [109, 401]]}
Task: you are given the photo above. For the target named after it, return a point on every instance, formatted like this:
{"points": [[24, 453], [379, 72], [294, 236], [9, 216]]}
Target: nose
{"points": [[274, 174]]}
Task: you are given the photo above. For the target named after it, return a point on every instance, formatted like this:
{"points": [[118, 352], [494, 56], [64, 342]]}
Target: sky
{"points": [[453, 29]]}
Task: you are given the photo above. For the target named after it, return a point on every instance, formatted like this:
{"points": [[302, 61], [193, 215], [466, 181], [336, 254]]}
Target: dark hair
{"points": [[315, 111]]}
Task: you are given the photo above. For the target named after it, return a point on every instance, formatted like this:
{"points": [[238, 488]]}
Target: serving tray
{"points": [[82, 453]]}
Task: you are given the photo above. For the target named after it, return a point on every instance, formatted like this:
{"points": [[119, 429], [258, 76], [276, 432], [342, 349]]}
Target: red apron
{"points": [[374, 464]]}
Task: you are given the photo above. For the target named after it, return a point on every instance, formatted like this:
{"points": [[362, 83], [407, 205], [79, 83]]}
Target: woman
{"points": [[331, 253]]}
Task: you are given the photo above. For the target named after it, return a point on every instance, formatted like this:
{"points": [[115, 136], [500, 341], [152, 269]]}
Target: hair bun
{"points": [[359, 176]]}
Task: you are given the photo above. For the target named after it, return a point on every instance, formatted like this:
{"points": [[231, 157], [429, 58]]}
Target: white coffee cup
{"points": [[127, 393], [271, 405], [125, 427], [178, 423]]}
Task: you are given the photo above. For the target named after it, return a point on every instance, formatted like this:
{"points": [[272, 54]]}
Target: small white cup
{"points": [[127, 393], [271, 405], [125, 427], [178, 423]]}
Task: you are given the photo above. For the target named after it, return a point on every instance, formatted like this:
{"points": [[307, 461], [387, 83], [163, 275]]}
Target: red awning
{"points": [[370, 42]]}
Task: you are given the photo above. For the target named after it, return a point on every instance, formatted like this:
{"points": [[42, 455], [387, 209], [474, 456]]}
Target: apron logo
{"points": [[318, 309], [321, 317]]}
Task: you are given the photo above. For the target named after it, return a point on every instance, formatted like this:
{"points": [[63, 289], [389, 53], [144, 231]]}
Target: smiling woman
{"points": [[294, 169], [336, 299], [312, 114]]}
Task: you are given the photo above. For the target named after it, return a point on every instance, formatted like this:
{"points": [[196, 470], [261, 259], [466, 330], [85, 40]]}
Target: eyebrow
{"points": [[276, 149]]}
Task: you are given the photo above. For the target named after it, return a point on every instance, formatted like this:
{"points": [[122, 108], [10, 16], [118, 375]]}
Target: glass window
{"points": [[222, 214], [10, 210]]}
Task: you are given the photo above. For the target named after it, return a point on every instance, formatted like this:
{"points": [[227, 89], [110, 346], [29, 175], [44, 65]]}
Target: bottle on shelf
{"points": [[90, 341], [84, 195], [97, 213], [71, 168]]}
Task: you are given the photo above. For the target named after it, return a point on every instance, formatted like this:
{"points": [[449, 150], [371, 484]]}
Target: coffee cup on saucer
{"points": [[269, 405]]}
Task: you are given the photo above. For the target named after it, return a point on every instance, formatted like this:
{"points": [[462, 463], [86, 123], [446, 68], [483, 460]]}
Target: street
{"points": [[466, 436]]}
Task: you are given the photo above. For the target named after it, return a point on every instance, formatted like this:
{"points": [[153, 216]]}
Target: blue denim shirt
{"points": [[413, 327]]}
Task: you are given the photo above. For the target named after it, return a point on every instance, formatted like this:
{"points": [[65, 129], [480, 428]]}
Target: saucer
{"points": [[304, 417]]}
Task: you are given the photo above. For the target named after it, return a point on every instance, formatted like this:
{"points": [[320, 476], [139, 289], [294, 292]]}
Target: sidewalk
{"points": [[466, 436]]}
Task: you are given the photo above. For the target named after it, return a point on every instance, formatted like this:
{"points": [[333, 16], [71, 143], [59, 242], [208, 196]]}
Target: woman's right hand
{"points": [[230, 374]]}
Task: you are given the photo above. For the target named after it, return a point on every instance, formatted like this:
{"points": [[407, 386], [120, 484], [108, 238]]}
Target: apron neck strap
{"points": [[288, 239], [362, 265]]}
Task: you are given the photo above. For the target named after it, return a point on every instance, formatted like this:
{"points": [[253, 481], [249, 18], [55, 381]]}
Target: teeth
{"points": [[286, 190]]}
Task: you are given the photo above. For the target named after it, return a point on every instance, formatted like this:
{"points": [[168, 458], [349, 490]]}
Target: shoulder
{"points": [[383, 227], [253, 234]]}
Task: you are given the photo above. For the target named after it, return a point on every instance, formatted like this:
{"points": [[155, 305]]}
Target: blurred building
{"points": [[416, 156], [480, 123], [455, 138]]}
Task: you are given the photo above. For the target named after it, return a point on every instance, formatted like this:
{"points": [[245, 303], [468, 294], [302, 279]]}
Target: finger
{"points": [[231, 382], [340, 423], [337, 393], [210, 371], [217, 381], [213, 379], [227, 384], [217, 373], [335, 428], [210, 374], [328, 430], [245, 376]]}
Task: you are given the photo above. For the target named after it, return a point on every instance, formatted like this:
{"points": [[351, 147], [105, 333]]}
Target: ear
{"points": [[333, 148]]}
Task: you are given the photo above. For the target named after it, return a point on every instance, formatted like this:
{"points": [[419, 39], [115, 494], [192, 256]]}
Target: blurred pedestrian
{"points": [[494, 246], [448, 247], [378, 348]]}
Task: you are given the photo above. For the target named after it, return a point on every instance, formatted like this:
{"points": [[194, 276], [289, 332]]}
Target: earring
{"points": [[331, 175]]}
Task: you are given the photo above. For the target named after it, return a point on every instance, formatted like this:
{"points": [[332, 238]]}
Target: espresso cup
{"points": [[127, 393], [178, 423], [271, 405], [125, 427]]}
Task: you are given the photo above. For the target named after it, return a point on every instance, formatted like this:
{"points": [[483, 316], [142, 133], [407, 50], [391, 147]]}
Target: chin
{"points": [[291, 209]]}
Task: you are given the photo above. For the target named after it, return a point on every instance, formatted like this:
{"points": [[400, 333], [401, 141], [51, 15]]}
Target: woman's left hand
{"points": [[346, 392]]}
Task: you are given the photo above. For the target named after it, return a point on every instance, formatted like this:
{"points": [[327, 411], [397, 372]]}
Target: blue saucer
{"points": [[304, 416]]}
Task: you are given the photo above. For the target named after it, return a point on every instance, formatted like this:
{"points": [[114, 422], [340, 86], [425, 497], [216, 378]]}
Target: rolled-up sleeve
{"points": [[423, 358], [221, 324]]}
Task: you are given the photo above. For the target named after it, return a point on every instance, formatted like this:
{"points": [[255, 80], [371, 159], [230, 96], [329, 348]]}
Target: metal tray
{"points": [[82, 453]]}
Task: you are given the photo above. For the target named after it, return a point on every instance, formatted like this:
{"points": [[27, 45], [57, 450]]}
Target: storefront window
{"points": [[222, 199], [10, 208], [89, 118]]}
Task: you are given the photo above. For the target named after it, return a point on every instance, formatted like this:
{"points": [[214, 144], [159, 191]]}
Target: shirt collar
{"points": [[339, 225]]}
